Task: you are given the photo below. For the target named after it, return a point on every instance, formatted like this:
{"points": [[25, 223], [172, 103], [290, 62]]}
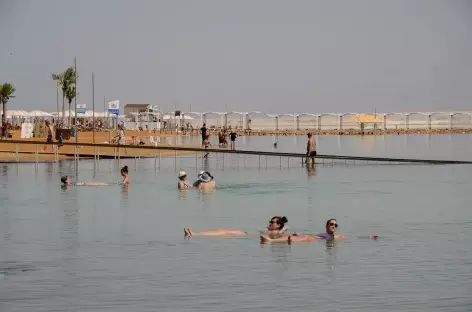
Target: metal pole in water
{"points": [[36, 153], [159, 159], [175, 159], [259, 161], [196, 159], [266, 162], [280, 161], [16, 154]]}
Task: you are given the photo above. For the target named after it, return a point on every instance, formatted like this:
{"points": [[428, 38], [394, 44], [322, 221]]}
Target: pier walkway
{"points": [[103, 151]]}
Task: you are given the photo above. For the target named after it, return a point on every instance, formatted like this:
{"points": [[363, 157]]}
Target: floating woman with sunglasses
{"points": [[330, 233], [274, 230]]}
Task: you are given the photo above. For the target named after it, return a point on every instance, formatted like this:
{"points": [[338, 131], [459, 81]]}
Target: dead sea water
{"points": [[115, 249]]}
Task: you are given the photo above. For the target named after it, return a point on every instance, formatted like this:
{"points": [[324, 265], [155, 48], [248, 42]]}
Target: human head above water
{"points": [[331, 226], [124, 170], [182, 175], [309, 134], [65, 180], [277, 223]]}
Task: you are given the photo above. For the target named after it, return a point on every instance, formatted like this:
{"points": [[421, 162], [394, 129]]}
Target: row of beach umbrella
{"points": [[88, 114], [38, 113]]}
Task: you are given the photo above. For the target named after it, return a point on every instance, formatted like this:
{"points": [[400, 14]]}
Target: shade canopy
{"points": [[366, 119]]}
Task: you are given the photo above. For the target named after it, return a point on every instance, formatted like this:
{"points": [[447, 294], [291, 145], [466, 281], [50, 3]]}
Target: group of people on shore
{"points": [[276, 232]]}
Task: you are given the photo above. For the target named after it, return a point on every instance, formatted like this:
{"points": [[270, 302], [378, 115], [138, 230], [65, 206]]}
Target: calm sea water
{"points": [[115, 249]]}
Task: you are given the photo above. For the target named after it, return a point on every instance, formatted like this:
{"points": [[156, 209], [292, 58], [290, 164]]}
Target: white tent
{"points": [[38, 113], [185, 117], [17, 113], [66, 114]]}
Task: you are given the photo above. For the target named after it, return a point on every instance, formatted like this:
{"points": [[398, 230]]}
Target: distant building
{"points": [[129, 109]]}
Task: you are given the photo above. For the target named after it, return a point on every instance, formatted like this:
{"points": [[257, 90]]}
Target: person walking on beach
{"points": [[203, 131], [310, 149], [120, 138], [233, 137], [50, 130]]}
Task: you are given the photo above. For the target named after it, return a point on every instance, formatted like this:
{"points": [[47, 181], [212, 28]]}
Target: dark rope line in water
{"points": [[244, 152]]}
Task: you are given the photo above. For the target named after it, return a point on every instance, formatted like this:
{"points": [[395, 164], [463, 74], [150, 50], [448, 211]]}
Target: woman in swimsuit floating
{"points": [[275, 229], [65, 180], [330, 234]]}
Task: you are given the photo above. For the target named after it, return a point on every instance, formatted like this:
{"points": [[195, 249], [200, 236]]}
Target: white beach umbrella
{"points": [[17, 113], [185, 117], [38, 113], [66, 114]]}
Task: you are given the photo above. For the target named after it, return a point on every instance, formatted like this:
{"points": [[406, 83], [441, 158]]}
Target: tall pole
{"points": [[75, 103], [109, 130], [93, 107], [57, 102]]}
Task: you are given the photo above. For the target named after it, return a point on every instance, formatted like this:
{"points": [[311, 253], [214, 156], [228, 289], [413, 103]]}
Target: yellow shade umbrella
{"points": [[366, 119]]}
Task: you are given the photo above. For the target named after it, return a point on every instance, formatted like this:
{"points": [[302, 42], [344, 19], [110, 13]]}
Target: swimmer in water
{"points": [[276, 228], [183, 183], [205, 182], [124, 174], [65, 180], [329, 234]]}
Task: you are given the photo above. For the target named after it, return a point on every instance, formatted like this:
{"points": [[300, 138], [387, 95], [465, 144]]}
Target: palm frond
{"points": [[6, 92]]}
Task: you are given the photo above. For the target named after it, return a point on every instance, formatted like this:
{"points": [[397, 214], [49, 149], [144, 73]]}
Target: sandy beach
{"points": [[26, 152]]}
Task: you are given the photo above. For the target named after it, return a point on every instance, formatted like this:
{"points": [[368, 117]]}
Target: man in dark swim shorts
{"points": [[310, 149]]}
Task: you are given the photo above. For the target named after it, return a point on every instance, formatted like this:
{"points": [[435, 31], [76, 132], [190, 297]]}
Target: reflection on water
{"points": [[120, 248]]}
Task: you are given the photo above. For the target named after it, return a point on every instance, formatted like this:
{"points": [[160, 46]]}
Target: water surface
{"points": [[117, 249]]}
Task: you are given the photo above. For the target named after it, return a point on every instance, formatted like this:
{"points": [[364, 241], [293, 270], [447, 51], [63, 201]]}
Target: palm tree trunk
{"points": [[63, 110], [70, 127], [4, 115]]}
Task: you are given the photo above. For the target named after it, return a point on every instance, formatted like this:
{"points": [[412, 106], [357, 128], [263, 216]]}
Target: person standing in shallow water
{"points": [[310, 149], [203, 131], [183, 183], [124, 174], [233, 137]]}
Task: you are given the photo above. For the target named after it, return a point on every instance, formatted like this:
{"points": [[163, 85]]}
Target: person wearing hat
{"points": [[183, 184], [205, 182], [197, 183]]}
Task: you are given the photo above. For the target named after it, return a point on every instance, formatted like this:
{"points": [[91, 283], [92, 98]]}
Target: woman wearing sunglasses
{"points": [[275, 229], [330, 233]]}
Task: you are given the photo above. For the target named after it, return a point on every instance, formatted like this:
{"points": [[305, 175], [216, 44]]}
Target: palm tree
{"points": [[66, 80], [70, 95], [59, 79], [6, 93]]}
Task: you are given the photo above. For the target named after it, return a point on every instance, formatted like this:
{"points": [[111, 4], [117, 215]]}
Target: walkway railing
{"points": [[138, 152]]}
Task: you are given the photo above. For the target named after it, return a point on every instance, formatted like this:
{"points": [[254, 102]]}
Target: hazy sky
{"points": [[269, 55]]}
